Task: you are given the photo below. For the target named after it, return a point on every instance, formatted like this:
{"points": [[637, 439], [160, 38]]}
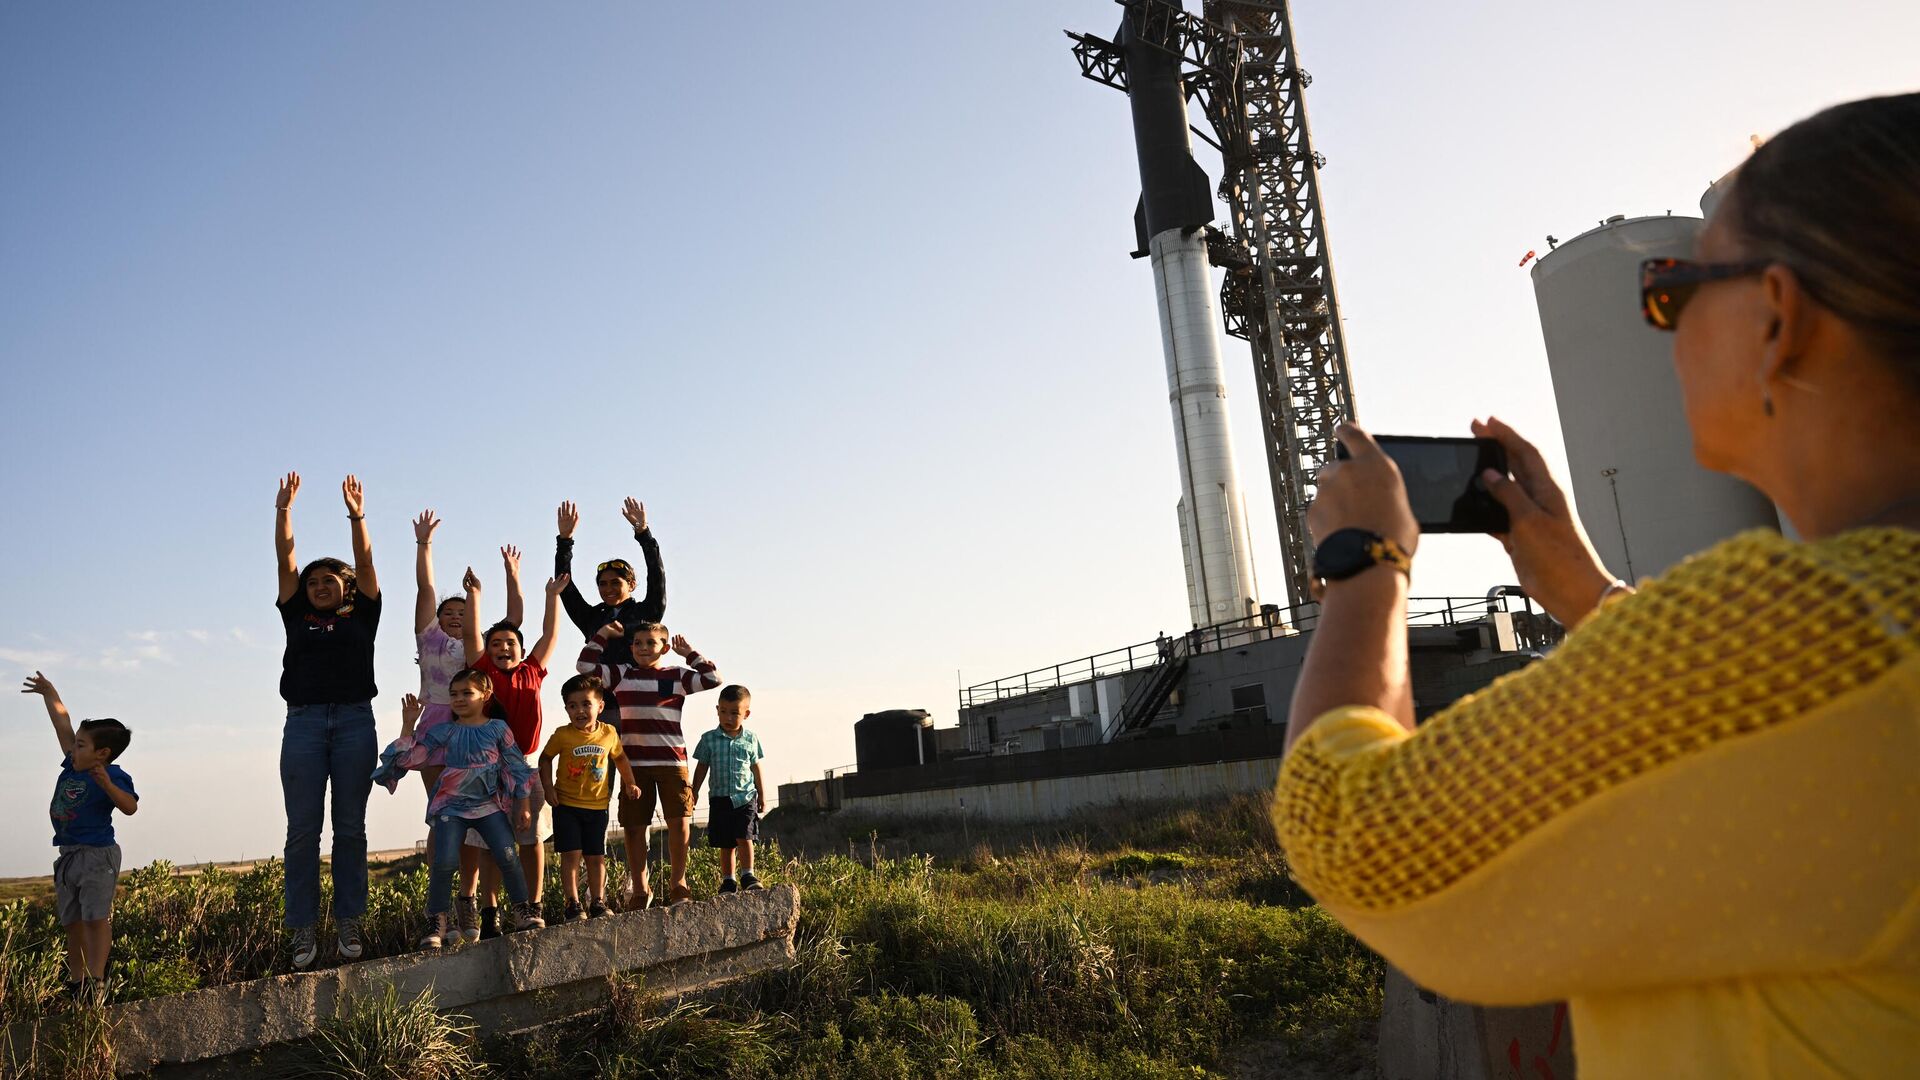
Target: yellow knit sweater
{"points": [[1698, 821]]}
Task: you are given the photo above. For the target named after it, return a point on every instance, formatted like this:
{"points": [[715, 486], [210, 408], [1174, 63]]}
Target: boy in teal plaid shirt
{"points": [[738, 794]]}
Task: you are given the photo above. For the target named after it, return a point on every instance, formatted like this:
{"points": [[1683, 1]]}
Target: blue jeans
{"points": [[448, 833], [322, 744]]}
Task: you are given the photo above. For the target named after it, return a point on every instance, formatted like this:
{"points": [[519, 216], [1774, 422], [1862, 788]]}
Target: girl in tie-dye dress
{"points": [[483, 785]]}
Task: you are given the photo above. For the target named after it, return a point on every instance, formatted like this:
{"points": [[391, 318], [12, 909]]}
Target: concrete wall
{"points": [[1424, 1036], [1056, 797], [509, 983]]}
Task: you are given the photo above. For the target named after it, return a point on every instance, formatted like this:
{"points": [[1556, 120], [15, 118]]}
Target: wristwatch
{"points": [[1349, 551]]}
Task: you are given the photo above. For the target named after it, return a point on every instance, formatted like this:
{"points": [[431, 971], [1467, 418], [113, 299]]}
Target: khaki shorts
{"points": [[663, 784], [83, 882], [542, 820]]}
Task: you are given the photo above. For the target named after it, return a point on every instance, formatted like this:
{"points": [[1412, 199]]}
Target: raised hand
{"points": [[471, 581], [558, 585], [39, 684], [99, 774], [680, 645], [610, 631], [423, 527], [1551, 555], [289, 487], [569, 519], [510, 555], [410, 710], [636, 514], [350, 490]]}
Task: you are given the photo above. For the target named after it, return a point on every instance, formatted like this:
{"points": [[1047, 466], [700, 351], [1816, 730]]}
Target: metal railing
{"points": [[1272, 623]]}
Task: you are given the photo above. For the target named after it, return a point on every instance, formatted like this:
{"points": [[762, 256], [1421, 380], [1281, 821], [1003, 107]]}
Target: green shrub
{"points": [[385, 1038]]}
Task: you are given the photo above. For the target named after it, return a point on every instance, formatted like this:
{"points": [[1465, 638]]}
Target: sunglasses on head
{"points": [[1667, 284], [614, 564]]}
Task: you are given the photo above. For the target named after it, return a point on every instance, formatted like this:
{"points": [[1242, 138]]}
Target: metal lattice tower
{"points": [[1241, 65]]}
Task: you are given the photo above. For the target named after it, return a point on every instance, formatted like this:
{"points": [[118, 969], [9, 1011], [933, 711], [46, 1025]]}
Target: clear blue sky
{"points": [[840, 291]]}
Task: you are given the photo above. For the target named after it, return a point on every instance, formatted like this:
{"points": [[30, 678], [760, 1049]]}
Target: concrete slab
{"points": [[515, 981]]}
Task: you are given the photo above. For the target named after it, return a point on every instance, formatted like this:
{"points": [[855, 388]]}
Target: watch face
{"points": [[1343, 554]]}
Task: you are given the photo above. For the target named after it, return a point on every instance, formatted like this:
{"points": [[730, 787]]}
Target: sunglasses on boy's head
{"points": [[1667, 284], [613, 564]]}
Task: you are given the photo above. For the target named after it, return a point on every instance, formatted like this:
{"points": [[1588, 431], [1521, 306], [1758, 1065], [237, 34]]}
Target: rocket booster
{"points": [[1176, 203]]}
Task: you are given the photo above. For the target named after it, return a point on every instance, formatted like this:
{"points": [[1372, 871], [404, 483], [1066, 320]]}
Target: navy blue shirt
{"points": [[82, 813]]}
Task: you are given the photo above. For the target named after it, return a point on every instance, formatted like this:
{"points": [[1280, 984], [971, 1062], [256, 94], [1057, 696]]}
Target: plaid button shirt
{"points": [[732, 763]]}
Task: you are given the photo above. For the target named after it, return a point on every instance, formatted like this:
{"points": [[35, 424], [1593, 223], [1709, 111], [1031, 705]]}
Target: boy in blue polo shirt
{"points": [[738, 794], [91, 787]]}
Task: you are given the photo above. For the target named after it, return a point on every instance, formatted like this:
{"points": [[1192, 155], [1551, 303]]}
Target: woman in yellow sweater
{"points": [[1698, 820]]}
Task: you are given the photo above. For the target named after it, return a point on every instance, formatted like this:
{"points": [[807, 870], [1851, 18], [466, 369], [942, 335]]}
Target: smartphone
{"points": [[1443, 481]]}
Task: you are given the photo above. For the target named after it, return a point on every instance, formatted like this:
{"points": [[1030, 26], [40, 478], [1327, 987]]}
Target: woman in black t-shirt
{"points": [[331, 612]]}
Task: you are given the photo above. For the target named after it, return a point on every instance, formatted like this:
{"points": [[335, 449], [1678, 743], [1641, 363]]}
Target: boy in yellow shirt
{"points": [[579, 794]]}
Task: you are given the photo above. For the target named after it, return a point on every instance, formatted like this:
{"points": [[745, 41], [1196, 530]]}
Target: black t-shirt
{"points": [[329, 657]]}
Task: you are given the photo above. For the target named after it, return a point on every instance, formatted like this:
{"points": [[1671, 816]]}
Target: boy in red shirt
{"points": [[517, 678]]}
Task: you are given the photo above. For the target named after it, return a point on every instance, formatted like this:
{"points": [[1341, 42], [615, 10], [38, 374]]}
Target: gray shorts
{"points": [[542, 820], [84, 878]]}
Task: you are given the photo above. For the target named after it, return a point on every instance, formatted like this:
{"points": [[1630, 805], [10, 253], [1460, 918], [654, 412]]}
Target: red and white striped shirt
{"points": [[650, 700]]}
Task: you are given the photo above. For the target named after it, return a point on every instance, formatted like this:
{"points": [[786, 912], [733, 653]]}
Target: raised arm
{"points": [[655, 601], [423, 600], [516, 605], [56, 709], [365, 582], [470, 631], [705, 674], [543, 649], [578, 609], [283, 536], [591, 652]]}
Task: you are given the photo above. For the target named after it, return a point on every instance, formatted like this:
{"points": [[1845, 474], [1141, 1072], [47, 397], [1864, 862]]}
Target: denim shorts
{"points": [[84, 878], [577, 829], [729, 822]]}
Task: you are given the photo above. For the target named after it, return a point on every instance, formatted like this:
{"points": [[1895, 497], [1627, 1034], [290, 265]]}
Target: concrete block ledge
{"points": [[511, 982]]}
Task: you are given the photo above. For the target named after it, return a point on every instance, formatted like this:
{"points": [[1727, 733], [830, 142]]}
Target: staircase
{"points": [[1151, 694]]}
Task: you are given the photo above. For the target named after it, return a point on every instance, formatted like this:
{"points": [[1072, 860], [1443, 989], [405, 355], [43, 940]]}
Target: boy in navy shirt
{"points": [[90, 789]]}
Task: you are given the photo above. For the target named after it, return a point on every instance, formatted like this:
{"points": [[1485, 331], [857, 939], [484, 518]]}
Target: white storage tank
{"points": [[1644, 500]]}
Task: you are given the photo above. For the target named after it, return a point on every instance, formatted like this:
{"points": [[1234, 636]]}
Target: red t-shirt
{"points": [[517, 692]]}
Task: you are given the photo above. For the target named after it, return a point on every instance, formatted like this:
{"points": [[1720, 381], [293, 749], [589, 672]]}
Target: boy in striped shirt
{"points": [[649, 697], [739, 796]]}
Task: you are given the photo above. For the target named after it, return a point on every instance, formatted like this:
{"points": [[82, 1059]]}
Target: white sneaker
{"points": [[306, 948]]}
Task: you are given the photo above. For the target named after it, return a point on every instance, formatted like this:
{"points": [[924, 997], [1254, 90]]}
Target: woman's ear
{"points": [[1790, 315]]}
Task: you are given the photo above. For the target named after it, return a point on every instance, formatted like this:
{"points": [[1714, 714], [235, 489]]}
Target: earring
{"points": [[1766, 402]]}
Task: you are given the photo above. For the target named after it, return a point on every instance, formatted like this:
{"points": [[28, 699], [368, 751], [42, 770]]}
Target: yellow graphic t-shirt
{"points": [[583, 765]]}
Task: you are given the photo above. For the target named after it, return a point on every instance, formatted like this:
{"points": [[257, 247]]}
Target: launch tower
{"points": [[1238, 61]]}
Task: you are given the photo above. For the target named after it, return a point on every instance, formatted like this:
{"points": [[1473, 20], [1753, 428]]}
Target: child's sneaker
{"points": [[466, 918], [597, 909], [306, 947], [436, 934], [749, 882], [527, 916], [728, 885], [574, 913], [349, 941], [489, 923]]}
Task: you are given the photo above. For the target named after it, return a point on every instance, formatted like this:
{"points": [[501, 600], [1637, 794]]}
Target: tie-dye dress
{"points": [[484, 771]]}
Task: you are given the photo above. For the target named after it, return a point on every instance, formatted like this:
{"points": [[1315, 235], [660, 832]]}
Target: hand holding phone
{"points": [[1443, 481]]}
